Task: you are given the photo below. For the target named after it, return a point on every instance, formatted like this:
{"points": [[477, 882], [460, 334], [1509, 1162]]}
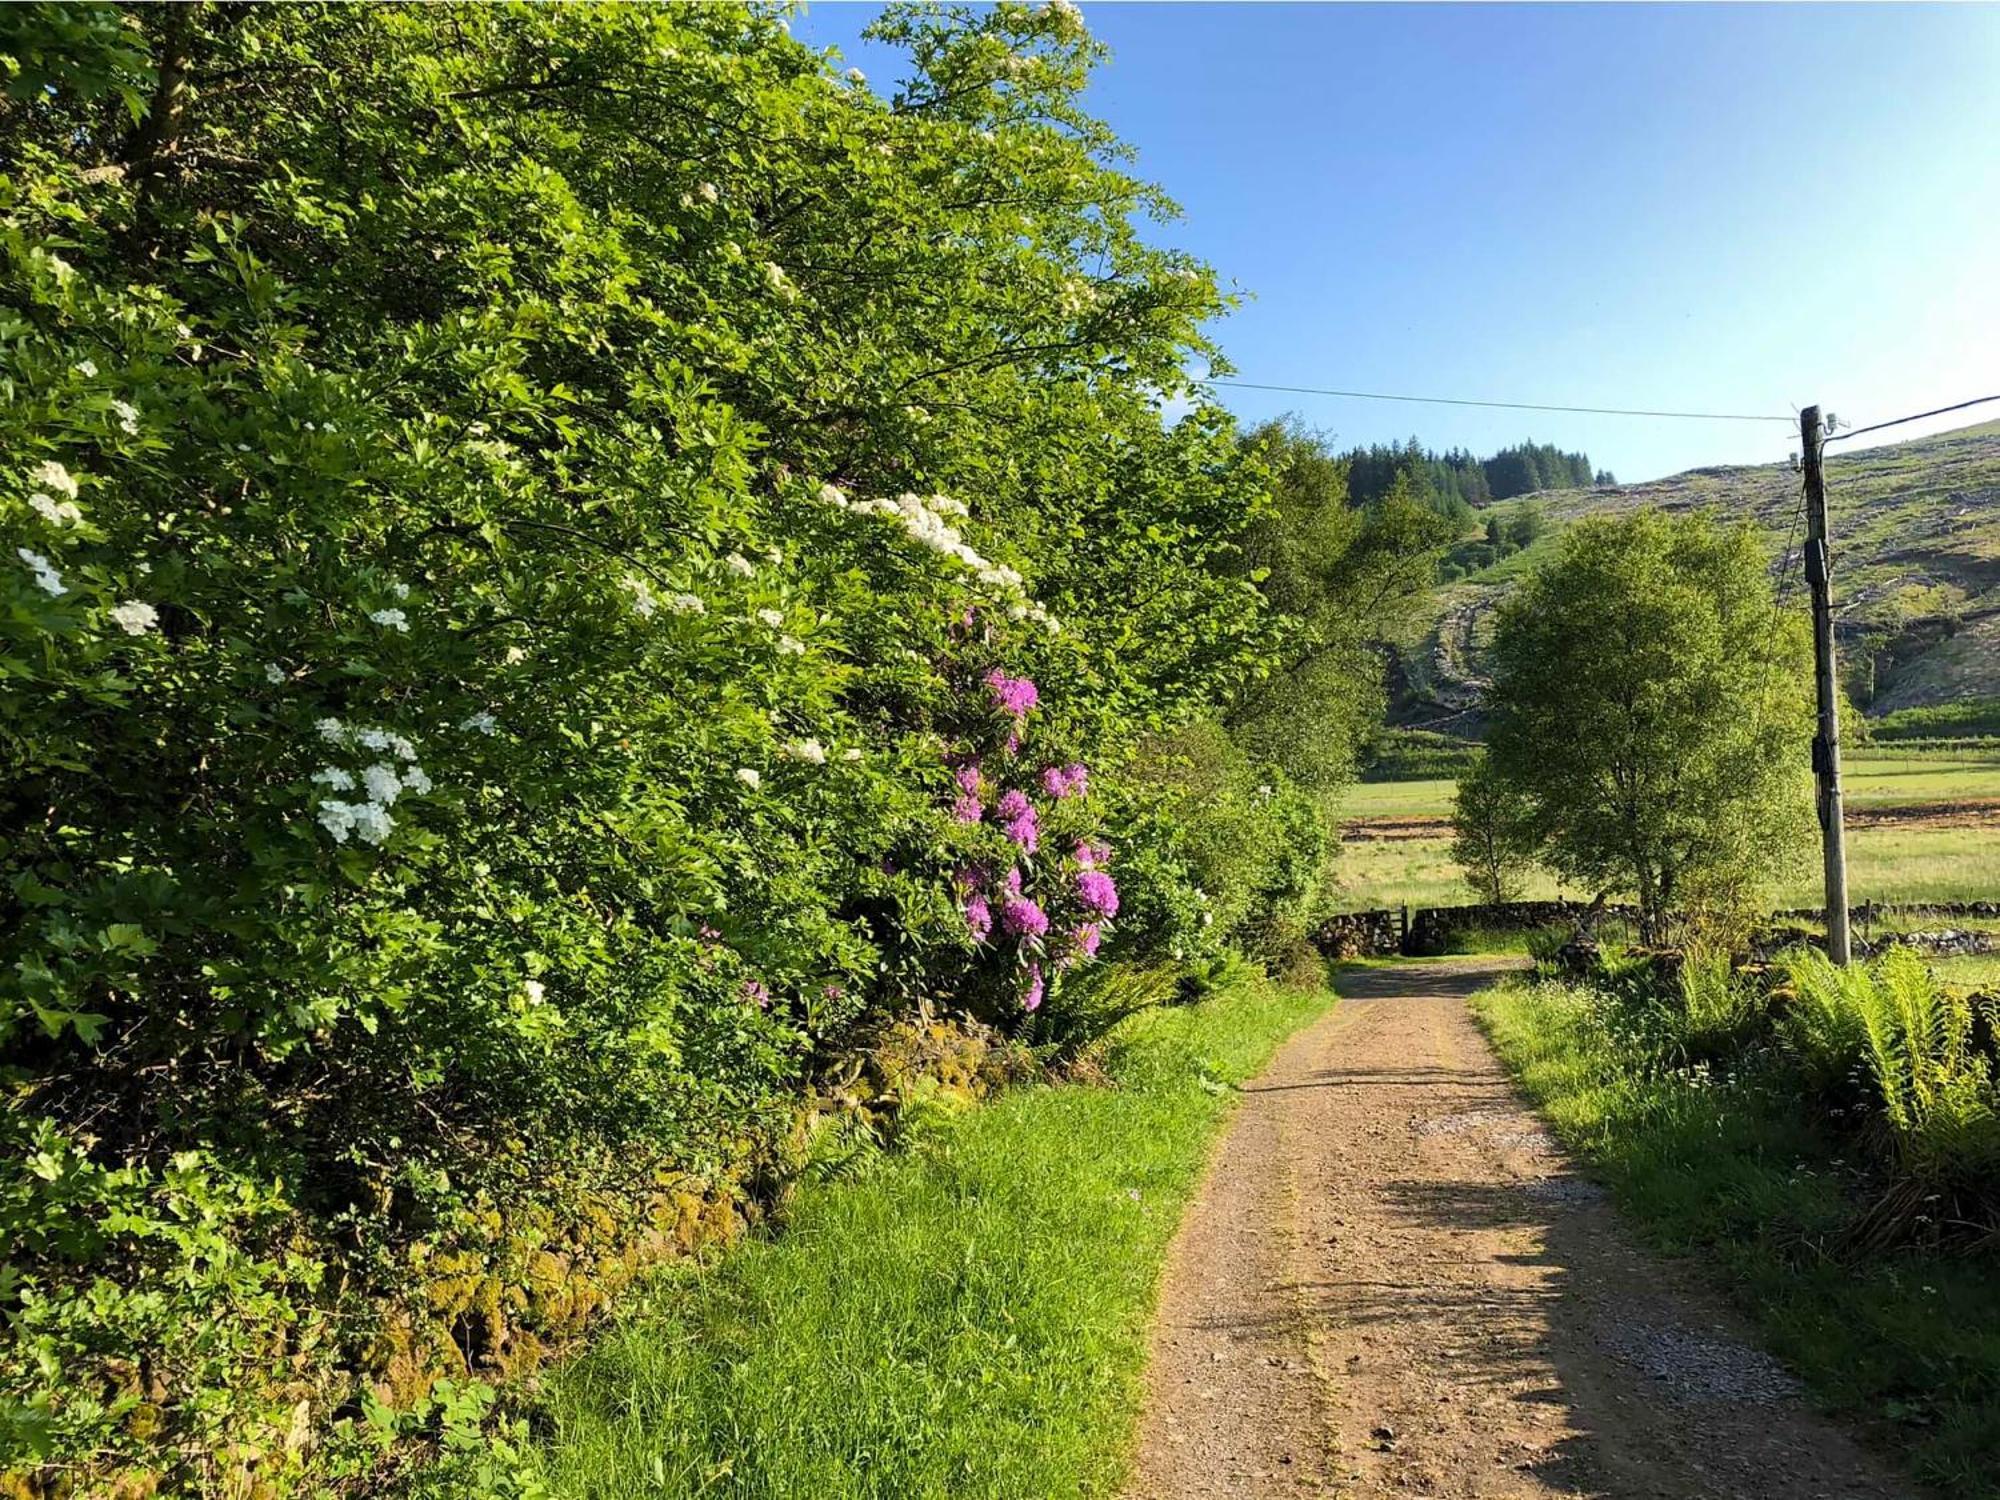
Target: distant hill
{"points": [[1916, 558]]}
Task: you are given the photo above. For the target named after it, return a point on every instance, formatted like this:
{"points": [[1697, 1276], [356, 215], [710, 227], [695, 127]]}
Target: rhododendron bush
{"points": [[557, 562]]}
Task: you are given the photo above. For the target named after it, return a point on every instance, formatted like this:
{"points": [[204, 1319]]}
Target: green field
{"points": [[967, 1319], [1917, 861]]}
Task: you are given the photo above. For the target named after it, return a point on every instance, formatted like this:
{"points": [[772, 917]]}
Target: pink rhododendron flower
{"points": [[1031, 998], [1021, 918], [978, 918], [1066, 781], [966, 809], [1098, 893], [754, 991], [1088, 938], [1014, 695], [1014, 881], [1092, 853]]}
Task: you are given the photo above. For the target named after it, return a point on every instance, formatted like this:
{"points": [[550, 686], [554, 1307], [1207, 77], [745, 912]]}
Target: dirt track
{"points": [[1393, 1283]]}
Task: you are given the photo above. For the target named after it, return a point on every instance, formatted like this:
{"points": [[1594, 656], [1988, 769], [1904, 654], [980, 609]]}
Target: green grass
{"points": [[968, 1319], [1979, 716], [1878, 778], [1738, 1177]]}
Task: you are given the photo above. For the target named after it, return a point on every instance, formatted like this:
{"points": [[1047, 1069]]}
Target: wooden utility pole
{"points": [[1826, 744]]}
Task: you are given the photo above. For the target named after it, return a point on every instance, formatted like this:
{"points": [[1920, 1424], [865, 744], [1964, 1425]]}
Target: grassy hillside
{"points": [[1916, 532]]}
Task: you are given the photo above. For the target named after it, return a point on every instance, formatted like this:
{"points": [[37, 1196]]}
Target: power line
{"points": [[1856, 432], [1600, 411]]}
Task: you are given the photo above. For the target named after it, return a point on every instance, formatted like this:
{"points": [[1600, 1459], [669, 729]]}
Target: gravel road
{"points": [[1393, 1282]]}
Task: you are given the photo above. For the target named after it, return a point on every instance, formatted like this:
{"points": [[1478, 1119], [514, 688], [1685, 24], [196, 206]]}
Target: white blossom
{"points": [[812, 752], [332, 731], [273, 673], [337, 818], [86, 368], [45, 572], [384, 785], [740, 565], [534, 990], [855, 75], [400, 589], [51, 475], [708, 192], [516, 654], [135, 617], [779, 283], [393, 619], [55, 512], [790, 645], [334, 778], [749, 776], [771, 617], [482, 723], [59, 268], [852, 753], [128, 415], [371, 822], [642, 597], [686, 604], [830, 494], [417, 781]]}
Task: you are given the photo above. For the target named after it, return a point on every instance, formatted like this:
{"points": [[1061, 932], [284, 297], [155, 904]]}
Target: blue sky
{"points": [[1720, 208]]}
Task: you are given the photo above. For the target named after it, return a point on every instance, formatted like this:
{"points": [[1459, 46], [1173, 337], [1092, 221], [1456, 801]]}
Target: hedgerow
{"points": [[561, 562]]}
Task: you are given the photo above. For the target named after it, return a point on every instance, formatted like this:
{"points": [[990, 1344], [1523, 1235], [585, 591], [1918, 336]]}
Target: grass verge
{"points": [[968, 1319], [1735, 1174]]}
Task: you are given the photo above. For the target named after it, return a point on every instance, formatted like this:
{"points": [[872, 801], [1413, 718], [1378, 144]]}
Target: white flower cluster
{"points": [[812, 752], [923, 517], [779, 283], [391, 619], [135, 617], [382, 782], [44, 570], [482, 723], [128, 417], [55, 512], [646, 603], [740, 565]]}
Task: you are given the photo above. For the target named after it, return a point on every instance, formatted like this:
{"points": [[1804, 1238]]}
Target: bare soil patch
{"points": [[1393, 1282]]}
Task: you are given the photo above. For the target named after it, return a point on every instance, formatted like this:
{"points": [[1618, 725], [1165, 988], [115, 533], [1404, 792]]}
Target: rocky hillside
{"points": [[1916, 536]]}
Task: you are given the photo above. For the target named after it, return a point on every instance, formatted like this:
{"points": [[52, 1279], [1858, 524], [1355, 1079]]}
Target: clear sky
{"points": [[1720, 208]]}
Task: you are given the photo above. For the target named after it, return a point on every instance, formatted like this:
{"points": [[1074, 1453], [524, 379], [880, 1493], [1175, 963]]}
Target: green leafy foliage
{"points": [[1652, 708], [511, 516]]}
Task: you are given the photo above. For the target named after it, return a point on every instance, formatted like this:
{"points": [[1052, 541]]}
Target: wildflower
{"points": [[685, 604], [852, 753], [51, 475], [383, 784], [967, 778], [534, 990], [771, 617], [86, 368], [273, 673], [829, 494], [481, 723], [392, 619], [1014, 695], [642, 597], [1097, 893], [812, 752], [135, 617], [750, 777], [855, 75], [708, 192], [55, 512], [128, 416], [400, 589], [789, 645], [415, 779], [978, 918], [1031, 997], [516, 655], [45, 572], [334, 779], [740, 565], [1022, 918], [966, 809], [332, 731]]}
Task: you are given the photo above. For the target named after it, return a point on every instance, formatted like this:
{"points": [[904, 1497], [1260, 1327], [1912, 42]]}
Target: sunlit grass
{"points": [[967, 1320], [1748, 1185]]}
